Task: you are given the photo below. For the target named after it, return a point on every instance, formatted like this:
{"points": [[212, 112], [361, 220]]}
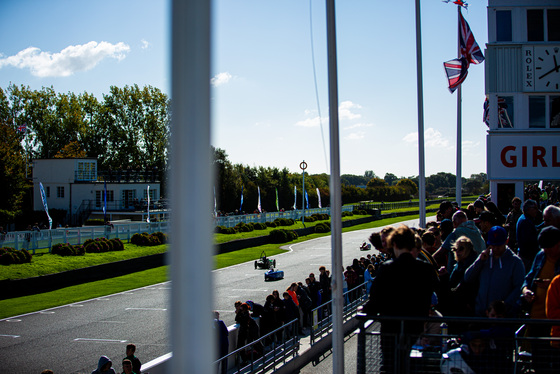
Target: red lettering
{"points": [[555, 161], [524, 156], [512, 161], [538, 155]]}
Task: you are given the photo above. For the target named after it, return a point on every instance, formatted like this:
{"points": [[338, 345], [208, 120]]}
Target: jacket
{"points": [[499, 279], [538, 264], [102, 361], [403, 287]]}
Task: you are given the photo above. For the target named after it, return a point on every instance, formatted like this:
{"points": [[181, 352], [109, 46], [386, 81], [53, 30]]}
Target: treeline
{"points": [[236, 179], [130, 128]]}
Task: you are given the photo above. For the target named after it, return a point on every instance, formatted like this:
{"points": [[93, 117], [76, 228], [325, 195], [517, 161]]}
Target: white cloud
{"points": [[432, 139], [469, 144], [221, 79], [358, 125], [311, 122], [145, 44], [70, 60], [344, 110], [355, 135]]}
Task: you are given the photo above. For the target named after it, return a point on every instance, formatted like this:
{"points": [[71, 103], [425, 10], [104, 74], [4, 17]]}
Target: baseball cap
{"points": [[497, 236]]}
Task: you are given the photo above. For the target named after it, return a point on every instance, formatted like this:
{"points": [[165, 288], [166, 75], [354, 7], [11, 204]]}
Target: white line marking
{"points": [[100, 340], [10, 336], [164, 309], [46, 312], [13, 320]]}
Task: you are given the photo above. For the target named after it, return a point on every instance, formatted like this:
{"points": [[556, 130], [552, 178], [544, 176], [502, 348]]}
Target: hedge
{"points": [[12, 256], [322, 227], [282, 236], [145, 239], [65, 249]]}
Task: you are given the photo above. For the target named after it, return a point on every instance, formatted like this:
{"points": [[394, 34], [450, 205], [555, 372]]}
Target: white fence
{"points": [[33, 240], [231, 221]]}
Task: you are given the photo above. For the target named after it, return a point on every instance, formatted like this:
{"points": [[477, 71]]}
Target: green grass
{"points": [[46, 263], [73, 294], [68, 295]]}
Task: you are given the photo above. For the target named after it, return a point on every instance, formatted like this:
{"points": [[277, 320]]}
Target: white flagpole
{"points": [[192, 336], [420, 98], [148, 193], [336, 197], [459, 125]]}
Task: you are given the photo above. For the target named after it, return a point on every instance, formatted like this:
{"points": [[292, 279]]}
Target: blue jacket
{"points": [[499, 279], [526, 234], [538, 264]]}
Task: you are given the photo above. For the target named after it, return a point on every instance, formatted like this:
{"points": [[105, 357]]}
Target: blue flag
{"points": [[306, 200], [105, 201], [241, 206], [44, 198]]}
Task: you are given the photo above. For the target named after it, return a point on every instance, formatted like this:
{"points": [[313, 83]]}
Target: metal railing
{"points": [[33, 240], [321, 325], [266, 353], [473, 344]]}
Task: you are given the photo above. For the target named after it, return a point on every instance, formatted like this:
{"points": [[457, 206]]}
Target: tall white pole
{"points": [[459, 116], [420, 98], [191, 331], [336, 197]]}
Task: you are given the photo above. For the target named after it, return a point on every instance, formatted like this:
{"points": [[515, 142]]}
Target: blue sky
{"points": [[264, 106]]}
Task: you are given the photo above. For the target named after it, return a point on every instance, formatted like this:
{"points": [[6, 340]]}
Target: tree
{"points": [[376, 182], [390, 178], [71, 150], [134, 128], [12, 172], [409, 185]]}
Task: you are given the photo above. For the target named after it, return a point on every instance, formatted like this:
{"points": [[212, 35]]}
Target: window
{"points": [[99, 197], [554, 112], [503, 26], [60, 191], [153, 194], [535, 25], [505, 112], [553, 22], [537, 111], [86, 171], [48, 191]]}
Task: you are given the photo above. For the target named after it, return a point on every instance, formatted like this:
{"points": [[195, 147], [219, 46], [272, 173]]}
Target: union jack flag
{"points": [[457, 69], [22, 128], [458, 2]]}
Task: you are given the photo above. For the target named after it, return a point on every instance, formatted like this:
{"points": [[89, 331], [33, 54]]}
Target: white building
{"points": [[73, 185], [523, 90]]}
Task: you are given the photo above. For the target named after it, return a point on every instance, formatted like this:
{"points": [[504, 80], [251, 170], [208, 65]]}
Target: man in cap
{"points": [[545, 267], [526, 233], [500, 274]]}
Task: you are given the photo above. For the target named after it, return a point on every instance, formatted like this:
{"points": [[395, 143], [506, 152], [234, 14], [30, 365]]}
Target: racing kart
{"points": [[264, 262], [273, 275], [365, 246]]}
